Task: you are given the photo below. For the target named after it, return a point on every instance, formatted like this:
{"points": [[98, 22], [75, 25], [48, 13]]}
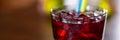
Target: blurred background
{"points": [[30, 19]]}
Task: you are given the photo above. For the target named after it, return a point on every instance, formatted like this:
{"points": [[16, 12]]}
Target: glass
{"points": [[70, 25]]}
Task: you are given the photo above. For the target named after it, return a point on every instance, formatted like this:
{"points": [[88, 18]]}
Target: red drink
{"points": [[66, 26]]}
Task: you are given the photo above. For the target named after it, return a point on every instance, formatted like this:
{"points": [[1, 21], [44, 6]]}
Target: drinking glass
{"points": [[71, 25]]}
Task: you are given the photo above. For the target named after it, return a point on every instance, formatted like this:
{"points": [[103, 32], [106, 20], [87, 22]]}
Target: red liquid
{"points": [[88, 31]]}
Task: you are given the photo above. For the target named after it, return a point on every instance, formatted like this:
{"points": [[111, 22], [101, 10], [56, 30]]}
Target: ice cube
{"points": [[97, 20], [89, 14], [82, 18], [79, 22], [99, 17], [63, 11], [92, 17], [71, 13], [96, 13], [53, 15], [64, 20]]}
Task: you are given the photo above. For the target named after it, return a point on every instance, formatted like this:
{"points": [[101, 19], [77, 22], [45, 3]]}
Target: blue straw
{"points": [[78, 6]]}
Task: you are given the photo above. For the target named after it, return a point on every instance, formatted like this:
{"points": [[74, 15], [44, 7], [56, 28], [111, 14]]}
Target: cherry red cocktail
{"points": [[69, 26]]}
